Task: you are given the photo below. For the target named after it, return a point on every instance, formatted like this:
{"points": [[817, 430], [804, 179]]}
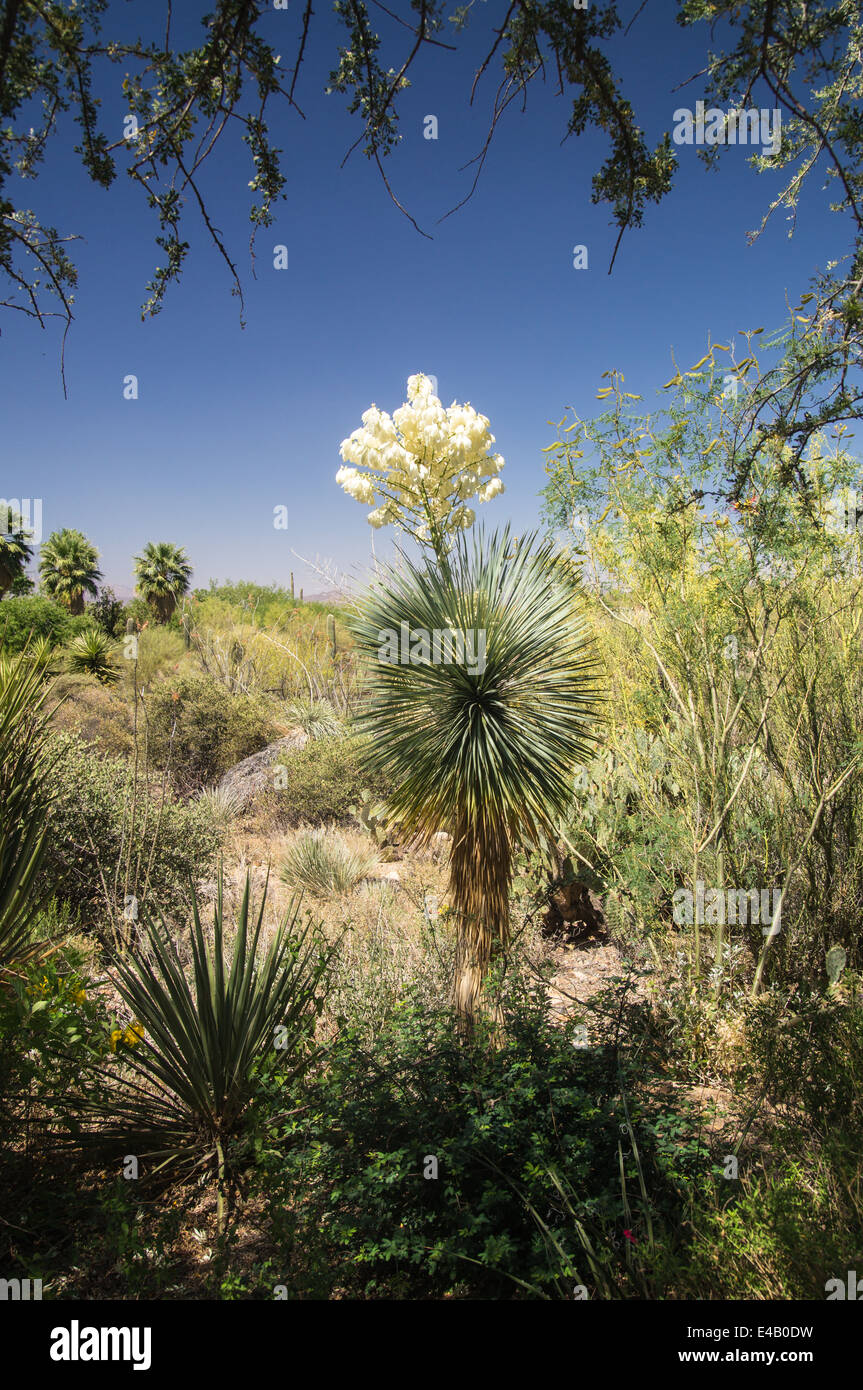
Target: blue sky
{"points": [[232, 422]]}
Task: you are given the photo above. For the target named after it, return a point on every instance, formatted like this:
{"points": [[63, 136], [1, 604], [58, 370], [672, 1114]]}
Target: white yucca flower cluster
{"points": [[422, 464]]}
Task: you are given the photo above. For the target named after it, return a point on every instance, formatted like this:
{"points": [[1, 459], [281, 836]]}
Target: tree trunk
{"points": [[480, 870], [165, 605], [76, 604]]}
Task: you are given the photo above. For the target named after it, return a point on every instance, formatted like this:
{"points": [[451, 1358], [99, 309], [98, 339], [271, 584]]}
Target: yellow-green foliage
{"points": [[730, 635], [152, 652], [285, 650]]}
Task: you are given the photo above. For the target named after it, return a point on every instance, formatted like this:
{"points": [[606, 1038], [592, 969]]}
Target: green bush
{"points": [[97, 713], [369, 1218], [32, 613], [809, 1056], [200, 729], [324, 780], [51, 1026], [160, 652], [160, 850]]}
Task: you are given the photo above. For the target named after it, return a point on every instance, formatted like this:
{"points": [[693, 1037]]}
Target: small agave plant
{"points": [[183, 1090], [93, 653]]}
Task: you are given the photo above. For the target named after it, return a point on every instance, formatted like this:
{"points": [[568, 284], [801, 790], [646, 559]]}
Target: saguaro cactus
{"points": [[331, 634], [292, 584]]}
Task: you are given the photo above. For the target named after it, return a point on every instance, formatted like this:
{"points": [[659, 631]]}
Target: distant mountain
{"points": [[333, 596]]}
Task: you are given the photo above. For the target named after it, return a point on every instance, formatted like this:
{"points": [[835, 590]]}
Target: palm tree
{"points": [[484, 748], [14, 550], [68, 568], [163, 572]]}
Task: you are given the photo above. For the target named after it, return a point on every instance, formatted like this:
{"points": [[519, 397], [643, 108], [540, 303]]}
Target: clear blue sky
{"points": [[232, 422]]}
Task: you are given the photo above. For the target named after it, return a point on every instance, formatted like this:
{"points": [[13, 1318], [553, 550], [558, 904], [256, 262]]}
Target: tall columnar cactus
{"points": [[292, 584], [331, 634], [187, 631]]}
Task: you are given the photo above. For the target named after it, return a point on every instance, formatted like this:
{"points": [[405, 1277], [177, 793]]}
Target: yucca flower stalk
{"points": [[422, 465], [487, 755], [183, 1094]]}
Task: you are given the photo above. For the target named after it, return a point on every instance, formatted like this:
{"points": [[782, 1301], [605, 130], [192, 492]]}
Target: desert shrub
{"points": [[200, 729], [51, 1026], [107, 843], [36, 615], [807, 1052], [99, 714], [324, 780], [158, 652], [499, 1121], [224, 804], [109, 612], [779, 1232], [391, 950], [322, 864], [281, 649]]}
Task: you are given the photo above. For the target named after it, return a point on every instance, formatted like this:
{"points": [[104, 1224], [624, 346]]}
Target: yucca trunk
{"points": [[480, 867]]}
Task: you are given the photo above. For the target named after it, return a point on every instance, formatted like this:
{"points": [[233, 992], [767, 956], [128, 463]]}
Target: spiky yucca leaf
{"points": [[482, 748], [184, 1091], [24, 798]]}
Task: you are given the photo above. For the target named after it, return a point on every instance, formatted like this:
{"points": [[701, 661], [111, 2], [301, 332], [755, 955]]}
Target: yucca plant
{"points": [[24, 798], [92, 653], [324, 865], [196, 1042], [482, 747]]}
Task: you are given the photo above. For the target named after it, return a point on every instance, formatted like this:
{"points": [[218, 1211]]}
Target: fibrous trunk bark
{"points": [[479, 894]]}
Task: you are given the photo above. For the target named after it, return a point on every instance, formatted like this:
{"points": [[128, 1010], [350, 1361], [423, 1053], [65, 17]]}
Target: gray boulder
{"points": [[249, 777]]}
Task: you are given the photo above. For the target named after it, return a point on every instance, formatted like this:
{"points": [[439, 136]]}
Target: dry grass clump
{"points": [[324, 864]]}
